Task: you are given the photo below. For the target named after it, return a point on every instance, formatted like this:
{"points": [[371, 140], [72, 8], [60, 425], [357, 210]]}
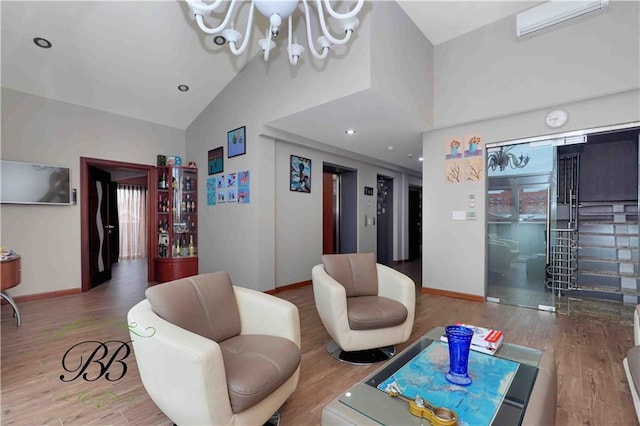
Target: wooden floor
{"points": [[592, 389]]}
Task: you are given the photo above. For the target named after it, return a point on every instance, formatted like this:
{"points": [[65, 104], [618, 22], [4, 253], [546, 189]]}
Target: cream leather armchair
{"points": [[210, 353], [363, 305]]}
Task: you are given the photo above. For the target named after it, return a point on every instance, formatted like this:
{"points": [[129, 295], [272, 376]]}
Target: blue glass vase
{"points": [[459, 338]]}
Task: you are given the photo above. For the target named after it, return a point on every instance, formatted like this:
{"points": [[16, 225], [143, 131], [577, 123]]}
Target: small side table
{"points": [[10, 277]]}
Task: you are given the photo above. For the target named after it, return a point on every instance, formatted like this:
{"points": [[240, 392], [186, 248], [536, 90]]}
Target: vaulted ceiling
{"points": [[129, 57]]}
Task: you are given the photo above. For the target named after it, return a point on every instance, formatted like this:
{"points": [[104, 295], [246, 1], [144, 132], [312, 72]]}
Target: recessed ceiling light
{"points": [[350, 131], [219, 40], [410, 155], [183, 88], [420, 159], [42, 42], [390, 148]]}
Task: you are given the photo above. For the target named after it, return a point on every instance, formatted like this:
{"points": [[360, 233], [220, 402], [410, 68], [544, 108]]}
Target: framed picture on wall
{"points": [[236, 142], [215, 163], [300, 174]]}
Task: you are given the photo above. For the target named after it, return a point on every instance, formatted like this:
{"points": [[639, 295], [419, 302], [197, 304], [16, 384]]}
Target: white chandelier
{"points": [[276, 11]]}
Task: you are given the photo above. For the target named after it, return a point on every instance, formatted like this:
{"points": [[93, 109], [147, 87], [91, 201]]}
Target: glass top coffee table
{"points": [[365, 404]]}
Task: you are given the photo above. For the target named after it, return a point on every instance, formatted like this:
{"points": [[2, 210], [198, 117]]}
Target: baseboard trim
{"points": [[454, 294], [47, 295], [289, 287]]}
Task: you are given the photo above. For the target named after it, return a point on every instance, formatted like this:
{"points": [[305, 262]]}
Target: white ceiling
{"points": [[444, 20], [128, 58]]}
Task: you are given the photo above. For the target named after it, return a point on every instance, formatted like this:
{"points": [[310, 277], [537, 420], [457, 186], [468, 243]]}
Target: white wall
{"points": [[40, 130], [489, 72], [491, 83], [401, 61], [454, 251], [241, 238], [298, 244]]}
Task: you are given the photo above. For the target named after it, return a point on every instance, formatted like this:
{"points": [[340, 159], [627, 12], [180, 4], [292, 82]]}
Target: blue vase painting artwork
{"points": [[453, 149], [474, 147]]}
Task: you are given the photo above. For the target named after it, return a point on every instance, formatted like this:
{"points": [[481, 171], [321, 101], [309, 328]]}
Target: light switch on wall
{"points": [[458, 215]]}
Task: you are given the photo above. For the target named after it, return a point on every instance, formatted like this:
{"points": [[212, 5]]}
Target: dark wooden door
{"points": [[385, 221], [415, 222], [328, 225], [114, 232], [100, 228]]}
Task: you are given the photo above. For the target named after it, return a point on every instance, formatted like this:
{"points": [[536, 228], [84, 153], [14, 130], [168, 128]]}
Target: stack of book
{"points": [[484, 340]]}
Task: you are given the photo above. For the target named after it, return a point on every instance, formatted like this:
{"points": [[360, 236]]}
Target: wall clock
{"points": [[556, 118]]}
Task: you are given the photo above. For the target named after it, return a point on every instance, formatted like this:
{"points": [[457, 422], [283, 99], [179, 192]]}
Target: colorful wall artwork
{"points": [[215, 161], [243, 187], [230, 188], [453, 149], [473, 169], [473, 146], [454, 171], [236, 142], [211, 191], [464, 159], [300, 174]]}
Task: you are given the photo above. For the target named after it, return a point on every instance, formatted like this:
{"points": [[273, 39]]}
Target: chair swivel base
{"points": [[274, 420], [363, 357]]}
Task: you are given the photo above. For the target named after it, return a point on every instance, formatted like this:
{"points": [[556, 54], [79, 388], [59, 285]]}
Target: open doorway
{"points": [[339, 210], [99, 234]]}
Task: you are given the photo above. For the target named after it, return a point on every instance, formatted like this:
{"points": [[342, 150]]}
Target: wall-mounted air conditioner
{"points": [[555, 12]]}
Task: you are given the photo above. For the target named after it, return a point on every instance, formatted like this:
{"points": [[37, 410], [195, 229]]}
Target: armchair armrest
{"points": [[172, 360], [397, 286], [331, 302], [262, 313]]}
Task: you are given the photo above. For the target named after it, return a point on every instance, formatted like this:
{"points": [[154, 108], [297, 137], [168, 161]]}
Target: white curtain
{"points": [[132, 215]]}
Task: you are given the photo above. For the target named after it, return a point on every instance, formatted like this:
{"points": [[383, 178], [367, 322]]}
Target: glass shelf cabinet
{"points": [[176, 216]]}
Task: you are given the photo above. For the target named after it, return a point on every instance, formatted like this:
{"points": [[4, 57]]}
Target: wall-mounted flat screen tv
{"points": [[29, 183]]}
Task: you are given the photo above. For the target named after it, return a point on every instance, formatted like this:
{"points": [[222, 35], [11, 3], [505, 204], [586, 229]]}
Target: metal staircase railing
{"points": [[562, 269]]}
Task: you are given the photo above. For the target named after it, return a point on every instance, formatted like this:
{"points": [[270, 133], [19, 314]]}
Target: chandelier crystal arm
{"points": [[312, 47], [203, 26], [325, 31], [293, 59], [201, 7], [267, 45], [211, 18], [245, 42], [347, 15]]}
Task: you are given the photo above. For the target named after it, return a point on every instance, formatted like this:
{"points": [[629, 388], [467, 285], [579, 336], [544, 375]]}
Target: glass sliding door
{"points": [[521, 196]]}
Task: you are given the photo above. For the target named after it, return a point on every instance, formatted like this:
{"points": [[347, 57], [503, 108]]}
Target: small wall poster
{"points": [[211, 191], [463, 159], [215, 163], [473, 146], [221, 189], [236, 142], [473, 169], [243, 187], [453, 171], [229, 188], [300, 174], [232, 188], [453, 149]]}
